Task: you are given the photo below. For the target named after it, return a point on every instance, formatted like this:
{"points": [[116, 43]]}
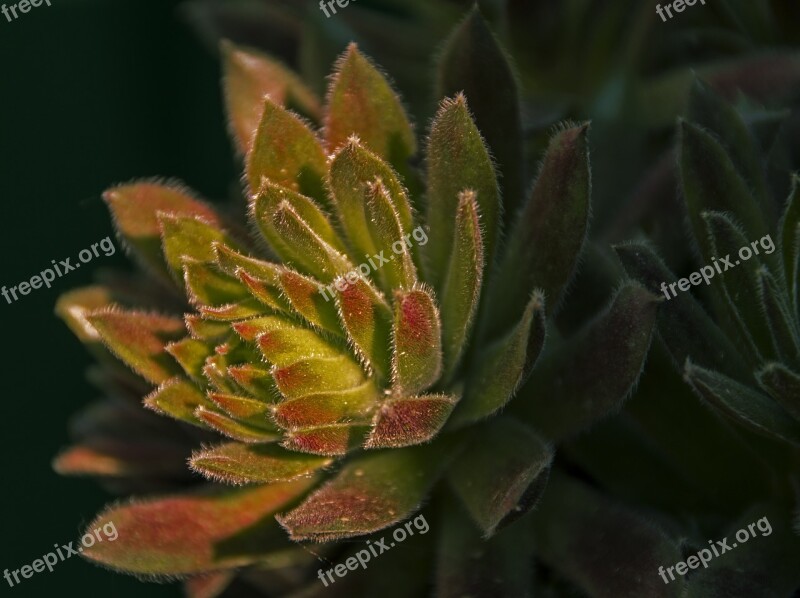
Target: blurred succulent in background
{"points": [[344, 412]]}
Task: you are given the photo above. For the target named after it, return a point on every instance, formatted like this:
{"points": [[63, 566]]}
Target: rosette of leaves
{"points": [[739, 348], [344, 398]]}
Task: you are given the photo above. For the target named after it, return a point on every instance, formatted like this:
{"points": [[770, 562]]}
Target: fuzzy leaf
{"points": [[139, 339], [352, 169], [234, 428], [473, 62], [595, 371], [248, 410], [417, 342], [361, 102], [315, 374], [551, 230], [232, 312], [503, 366], [73, 305], [248, 77], [206, 330], [307, 299], [309, 250], [328, 407], [236, 463], [287, 152], [783, 385], [189, 237], [457, 161], [256, 381], [265, 293], [370, 493], [232, 262], [606, 549], [684, 326], [710, 182], [135, 209], [284, 342], [501, 475], [781, 325], [368, 321], [409, 421], [387, 235], [742, 404], [178, 399], [192, 533], [328, 441], [462, 287], [206, 286], [191, 354]]}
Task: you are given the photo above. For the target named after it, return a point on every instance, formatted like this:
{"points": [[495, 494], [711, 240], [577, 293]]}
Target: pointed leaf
{"points": [[328, 441], [206, 286], [783, 385], [236, 463], [409, 421], [417, 342], [781, 325], [287, 152], [462, 287], [135, 210], [370, 493], [257, 381], [308, 300], [548, 238], [596, 370], [139, 340], [503, 367], [458, 160], [248, 77], [329, 407], [178, 399], [501, 477], [192, 533], [234, 428], [474, 63], [231, 262], [361, 102], [189, 237], [318, 374], [251, 411], [191, 354], [742, 404]]}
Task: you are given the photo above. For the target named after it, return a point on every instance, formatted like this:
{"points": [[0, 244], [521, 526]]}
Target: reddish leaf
{"points": [[409, 421]]}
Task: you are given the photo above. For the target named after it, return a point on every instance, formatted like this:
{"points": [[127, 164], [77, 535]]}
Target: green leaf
{"points": [[316, 374], [192, 532], [287, 152], [783, 385], [462, 287], [361, 102], [234, 428], [231, 312], [135, 209], [236, 463], [503, 366], [268, 201], [178, 399], [473, 62], [742, 404], [409, 421], [367, 319], [594, 371], [684, 326], [191, 354], [549, 235], [251, 411], [309, 250], [249, 76], [605, 548], [351, 170], [284, 342], [327, 407], [265, 293], [232, 262], [501, 475], [458, 160], [370, 493], [256, 381], [417, 342], [790, 242], [710, 182], [207, 286], [387, 235], [139, 340], [307, 299], [189, 237], [470, 565], [781, 325]]}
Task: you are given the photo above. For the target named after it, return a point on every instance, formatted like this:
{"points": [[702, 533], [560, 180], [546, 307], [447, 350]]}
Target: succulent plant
{"points": [[347, 354]]}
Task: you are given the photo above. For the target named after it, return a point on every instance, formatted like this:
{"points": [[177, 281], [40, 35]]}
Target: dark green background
{"points": [[92, 93]]}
